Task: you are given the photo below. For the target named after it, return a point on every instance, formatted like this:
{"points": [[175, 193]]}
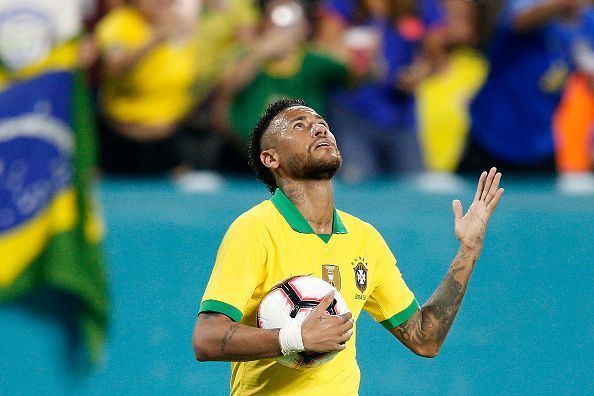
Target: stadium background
{"points": [[525, 326]]}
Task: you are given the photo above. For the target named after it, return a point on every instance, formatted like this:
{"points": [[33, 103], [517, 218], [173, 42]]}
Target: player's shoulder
{"points": [[356, 225], [255, 218]]}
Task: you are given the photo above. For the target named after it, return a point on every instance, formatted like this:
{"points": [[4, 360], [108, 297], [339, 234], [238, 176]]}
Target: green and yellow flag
{"points": [[50, 232]]}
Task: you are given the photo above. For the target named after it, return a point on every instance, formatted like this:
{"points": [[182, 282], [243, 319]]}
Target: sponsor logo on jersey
{"points": [[331, 274]]}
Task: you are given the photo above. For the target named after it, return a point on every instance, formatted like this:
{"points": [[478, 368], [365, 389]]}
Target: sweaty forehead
{"points": [[282, 119], [297, 111], [290, 114]]}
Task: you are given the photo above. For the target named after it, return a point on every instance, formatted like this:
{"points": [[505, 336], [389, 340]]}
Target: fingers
{"points": [[493, 189], [493, 204], [345, 336], [481, 185], [488, 183], [325, 303], [345, 330], [329, 334], [346, 317], [457, 208]]}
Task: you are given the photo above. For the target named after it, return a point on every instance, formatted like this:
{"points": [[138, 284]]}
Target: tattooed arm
{"points": [[425, 332], [217, 337]]}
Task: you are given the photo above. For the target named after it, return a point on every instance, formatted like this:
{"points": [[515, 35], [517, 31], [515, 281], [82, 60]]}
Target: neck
{"points": [[315, 201]]}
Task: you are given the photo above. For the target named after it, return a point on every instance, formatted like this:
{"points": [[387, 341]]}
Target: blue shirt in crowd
{"points": [[512, 113], [379, 100]]}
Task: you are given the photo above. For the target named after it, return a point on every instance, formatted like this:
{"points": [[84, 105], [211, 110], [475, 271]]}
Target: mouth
{"points": [[323, 144]]}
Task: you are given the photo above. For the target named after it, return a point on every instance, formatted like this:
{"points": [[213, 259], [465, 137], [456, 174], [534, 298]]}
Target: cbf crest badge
{"points": [[360, 273], [331, 274]]}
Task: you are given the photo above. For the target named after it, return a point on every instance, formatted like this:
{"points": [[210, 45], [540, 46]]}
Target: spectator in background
{"points": [[376, 121], [443, 99], [227, 29], [512, 113], [94, 10], [573, 122], [149, 60], [282, 63]]}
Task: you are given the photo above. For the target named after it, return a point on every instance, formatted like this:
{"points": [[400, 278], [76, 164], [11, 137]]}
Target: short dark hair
{"points": [[255, 141]]}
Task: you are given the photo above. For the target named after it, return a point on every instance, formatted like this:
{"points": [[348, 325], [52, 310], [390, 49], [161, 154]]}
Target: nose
{"points": [[319, 130]]}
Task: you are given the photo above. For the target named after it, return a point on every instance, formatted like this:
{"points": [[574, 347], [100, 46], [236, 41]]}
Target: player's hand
{"points": [[471, 228], [322, 332]]}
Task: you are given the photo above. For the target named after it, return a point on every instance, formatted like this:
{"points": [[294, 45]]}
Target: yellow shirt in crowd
{"points": [[272, 242], [443, 101], [158, 90], [219, 29]]}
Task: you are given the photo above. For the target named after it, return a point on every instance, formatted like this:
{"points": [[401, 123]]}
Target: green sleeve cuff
{"points": [[402, 316], [221, 307]]}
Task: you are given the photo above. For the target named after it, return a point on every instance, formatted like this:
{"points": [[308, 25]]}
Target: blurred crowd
{"points": [[432, 87]]}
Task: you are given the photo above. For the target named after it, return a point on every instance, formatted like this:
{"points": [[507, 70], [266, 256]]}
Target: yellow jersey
{"points": [[220, 28], [443, 101], [273, 241], [158, 89]]}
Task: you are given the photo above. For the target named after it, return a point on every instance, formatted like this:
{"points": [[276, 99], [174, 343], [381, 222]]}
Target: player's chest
{"points": [[349, 267]]}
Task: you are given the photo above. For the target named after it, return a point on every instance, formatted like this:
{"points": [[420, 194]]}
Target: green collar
{"points": [[296, 219]]}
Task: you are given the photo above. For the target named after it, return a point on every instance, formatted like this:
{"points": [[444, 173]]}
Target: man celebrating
{"points": [[298, 231]]}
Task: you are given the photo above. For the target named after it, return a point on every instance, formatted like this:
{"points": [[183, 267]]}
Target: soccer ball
{"points": [[293, 300]]}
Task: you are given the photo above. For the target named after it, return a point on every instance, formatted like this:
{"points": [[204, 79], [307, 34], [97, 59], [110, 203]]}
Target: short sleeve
{"points": [[391, 302], [238, 269]]}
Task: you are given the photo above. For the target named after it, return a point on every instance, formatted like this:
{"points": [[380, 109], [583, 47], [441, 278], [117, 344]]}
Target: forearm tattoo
{"points": [[432, 323], [442, 307], [228, 335]]}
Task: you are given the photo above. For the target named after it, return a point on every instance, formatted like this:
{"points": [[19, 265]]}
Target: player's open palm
{"points": [[471, 228], [322, 332]]}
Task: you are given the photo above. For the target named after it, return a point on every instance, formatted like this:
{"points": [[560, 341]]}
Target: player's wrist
{"points": [[473, 251], [290, 339]]}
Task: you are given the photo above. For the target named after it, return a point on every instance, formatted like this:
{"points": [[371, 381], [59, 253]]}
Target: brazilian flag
{"points": [[50, 231]]}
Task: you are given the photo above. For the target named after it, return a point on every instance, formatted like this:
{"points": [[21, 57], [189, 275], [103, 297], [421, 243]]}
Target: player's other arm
{"points": [[425, 332], [217, 337]]}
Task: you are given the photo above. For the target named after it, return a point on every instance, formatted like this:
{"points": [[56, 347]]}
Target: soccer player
{"points": [[298, 231]]}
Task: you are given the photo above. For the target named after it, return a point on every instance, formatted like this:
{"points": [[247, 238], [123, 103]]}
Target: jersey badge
{"points": [[331, 274], [360, 273]]}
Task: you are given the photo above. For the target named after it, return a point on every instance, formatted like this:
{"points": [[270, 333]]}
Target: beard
{"points": [[307, 167]]}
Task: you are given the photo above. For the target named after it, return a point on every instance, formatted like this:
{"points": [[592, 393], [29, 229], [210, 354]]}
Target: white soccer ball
{"points": [[292, 301]]}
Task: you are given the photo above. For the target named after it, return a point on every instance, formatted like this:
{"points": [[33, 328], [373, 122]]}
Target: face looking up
{"points": [[298, 144]]}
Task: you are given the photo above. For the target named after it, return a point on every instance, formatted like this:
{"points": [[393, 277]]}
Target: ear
{"points": [[269, 158]]}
